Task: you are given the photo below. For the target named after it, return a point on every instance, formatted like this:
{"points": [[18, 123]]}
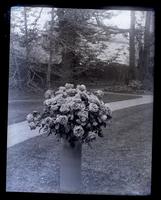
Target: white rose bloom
{"points": [[49, 102], [93, 107], [104, 109], [99, 120], [89, 125], [83, 119], [48, 120], [69, 99], [48, 94], [84, 95], [43, 122], [61, 88], [59, 96], [69, 103], [54, 107], [65, 94], [69, 85], [77, 100], [78, 131], [64, 108], [83, 115], [104, 117], [62, 119], [76, 106], [77, 87], [81, 87], [78, 121], [95, 123], [83, 106], [91, 135], [58, 92], [108, 110], [71, 92], [83, 123], [30, 117], [71, 117], [32, 125], [107, 105], [99, 93], [77, 96], [53, 101], [37, 118], [94, 99], [57, 126], [60, 101]]}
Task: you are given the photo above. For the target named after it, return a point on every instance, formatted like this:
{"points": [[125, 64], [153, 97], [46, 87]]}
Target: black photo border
{"points": [[5, 6]]}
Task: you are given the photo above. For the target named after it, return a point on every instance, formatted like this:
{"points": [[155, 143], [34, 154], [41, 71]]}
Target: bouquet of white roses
{"points": [[72, 113]]}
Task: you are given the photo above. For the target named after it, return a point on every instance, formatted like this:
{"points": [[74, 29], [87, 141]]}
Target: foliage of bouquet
{"points": [[72, 113]]}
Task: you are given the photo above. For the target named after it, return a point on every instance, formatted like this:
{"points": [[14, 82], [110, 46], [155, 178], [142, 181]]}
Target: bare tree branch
{"points": [[36, 20]]}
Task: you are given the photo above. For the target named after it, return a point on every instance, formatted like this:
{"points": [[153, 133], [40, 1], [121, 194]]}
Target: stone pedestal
{"points": [[70, 169]]}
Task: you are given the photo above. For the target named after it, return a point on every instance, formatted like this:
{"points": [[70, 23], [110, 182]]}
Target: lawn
{"points": [[17, 110], [120, 163]]}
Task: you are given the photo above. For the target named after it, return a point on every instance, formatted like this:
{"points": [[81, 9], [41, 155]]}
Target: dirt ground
{"points": [[118, 164]]}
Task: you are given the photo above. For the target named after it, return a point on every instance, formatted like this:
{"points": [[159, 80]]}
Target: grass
{"points": [[118, 97], [17, 110], [123, 157], [119, 163]]}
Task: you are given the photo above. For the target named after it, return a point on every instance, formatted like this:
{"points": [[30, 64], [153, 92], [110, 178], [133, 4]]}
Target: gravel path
{"points": [[120, 163], [145, 99], [14, 130], [19, 108]]}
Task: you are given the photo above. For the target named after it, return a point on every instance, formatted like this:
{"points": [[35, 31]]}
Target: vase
{"points": [[70, 167]]}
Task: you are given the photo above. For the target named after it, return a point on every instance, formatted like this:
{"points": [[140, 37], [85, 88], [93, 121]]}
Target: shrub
{"points": [[135, 84]]}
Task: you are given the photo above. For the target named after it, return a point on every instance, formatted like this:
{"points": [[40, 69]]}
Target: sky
{"points": [[122, 18]]}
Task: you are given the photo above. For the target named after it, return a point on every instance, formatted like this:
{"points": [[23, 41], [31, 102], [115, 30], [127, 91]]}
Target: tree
{"points": [[51, 49], [147, 44], [14, 72], [24, 37], [90, 38], [145, 40], [132, 47], [74, 34], [70, 43], [132, 41]]}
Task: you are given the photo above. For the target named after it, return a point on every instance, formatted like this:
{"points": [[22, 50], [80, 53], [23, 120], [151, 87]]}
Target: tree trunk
{"points": [[48, 75], [147, 45], [26, 33], [132, 47], [27, 47], [67, 66], [141, 61], [70, 38]]}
